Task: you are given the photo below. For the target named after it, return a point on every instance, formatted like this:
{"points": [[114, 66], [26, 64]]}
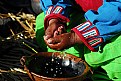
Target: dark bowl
{"points": [[49, 66]]}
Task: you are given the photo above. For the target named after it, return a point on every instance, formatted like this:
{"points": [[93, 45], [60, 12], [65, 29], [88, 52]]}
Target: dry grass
{"points": [[19, 42]]}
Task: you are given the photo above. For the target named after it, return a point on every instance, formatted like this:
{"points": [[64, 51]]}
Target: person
{"points": [[100, 33], [27, 6]]}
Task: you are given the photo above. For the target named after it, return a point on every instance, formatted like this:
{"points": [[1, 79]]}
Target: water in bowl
{"points": [[53, 67]]}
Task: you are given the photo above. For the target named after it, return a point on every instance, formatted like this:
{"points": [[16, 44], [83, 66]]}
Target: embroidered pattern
{"points": [[90, 33], [49, 10], [95, 41], [57, 9], [84, 26]]}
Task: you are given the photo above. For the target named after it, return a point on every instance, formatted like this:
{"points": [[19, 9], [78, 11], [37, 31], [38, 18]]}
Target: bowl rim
{"points": [[86, 70]]}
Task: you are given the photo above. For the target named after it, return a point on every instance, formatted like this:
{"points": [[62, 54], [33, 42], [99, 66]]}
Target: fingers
{"points": [[54, 36], [49, 35], [54, 40], [60, 30], [46, 37], [55, 33], [54, 30], [57, 46], [53, 43], [50, 30]]}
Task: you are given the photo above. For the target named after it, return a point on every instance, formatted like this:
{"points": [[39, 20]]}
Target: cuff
{"points": [[89, 35], [60, 17]]}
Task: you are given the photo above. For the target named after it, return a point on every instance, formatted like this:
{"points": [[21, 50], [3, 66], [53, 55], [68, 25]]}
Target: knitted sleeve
{"points": [[59, 9], [101, 25]]}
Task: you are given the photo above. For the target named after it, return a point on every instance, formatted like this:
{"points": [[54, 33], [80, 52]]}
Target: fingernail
{"points": [[61, 27], [49, 41], [44, 37]]}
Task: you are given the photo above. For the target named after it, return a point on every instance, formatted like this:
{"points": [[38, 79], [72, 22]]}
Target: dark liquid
{"points": [[53, 67]]}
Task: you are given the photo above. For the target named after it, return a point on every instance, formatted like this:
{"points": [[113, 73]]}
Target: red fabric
{"points": [[55, 16], [89, 4], [83, 40]]}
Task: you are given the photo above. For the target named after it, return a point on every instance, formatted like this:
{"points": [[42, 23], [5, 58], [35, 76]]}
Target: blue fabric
{"points": [[45, 4], [108, 22], [107, 19]]}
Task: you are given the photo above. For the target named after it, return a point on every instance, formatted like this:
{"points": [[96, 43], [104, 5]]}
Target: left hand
{"points": [[63, 41], [54, 28]]}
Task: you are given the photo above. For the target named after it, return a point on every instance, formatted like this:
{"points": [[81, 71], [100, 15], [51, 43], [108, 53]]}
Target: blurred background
{"points": [[17, 36]]}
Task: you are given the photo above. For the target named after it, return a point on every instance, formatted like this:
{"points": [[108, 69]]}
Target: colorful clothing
{"points": [[108, 57], [100, 26]]}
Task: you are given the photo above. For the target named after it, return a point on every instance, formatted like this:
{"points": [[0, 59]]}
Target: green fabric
{"points": [[109, 58], [100, 76], [77, 50], [39, 29]]}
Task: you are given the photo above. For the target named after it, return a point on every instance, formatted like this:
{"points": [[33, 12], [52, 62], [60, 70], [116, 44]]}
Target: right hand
{"points": [[55, 28], [63, 41]]}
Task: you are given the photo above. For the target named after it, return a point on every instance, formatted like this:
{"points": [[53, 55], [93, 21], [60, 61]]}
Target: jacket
{"points": [[103, 20]]}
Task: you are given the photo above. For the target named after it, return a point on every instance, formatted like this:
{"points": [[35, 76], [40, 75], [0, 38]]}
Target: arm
{"points": [[101, 25], [56, 9]]}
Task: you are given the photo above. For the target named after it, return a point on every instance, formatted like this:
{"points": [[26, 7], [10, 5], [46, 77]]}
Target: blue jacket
{"points": [[101, 25]]}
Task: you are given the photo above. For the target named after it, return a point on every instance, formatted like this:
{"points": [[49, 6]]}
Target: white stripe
{"points": [[57, 10], [95, 41], [90, 33], [49, 10], [84, 26]]}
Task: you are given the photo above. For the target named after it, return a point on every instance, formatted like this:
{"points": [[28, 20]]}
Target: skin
{"points": [[54, 28], [57, 38], [63, 41]]}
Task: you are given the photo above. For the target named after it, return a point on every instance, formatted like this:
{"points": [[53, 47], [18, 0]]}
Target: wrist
{"points": [[77, 39], [74, 39], [53, 21]]}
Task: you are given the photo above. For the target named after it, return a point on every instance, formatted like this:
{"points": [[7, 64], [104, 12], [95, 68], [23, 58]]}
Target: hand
{"points": [[55, 28], [63, 41]]}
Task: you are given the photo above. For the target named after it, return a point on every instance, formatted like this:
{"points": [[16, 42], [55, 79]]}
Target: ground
{"points": [[17, 38]]}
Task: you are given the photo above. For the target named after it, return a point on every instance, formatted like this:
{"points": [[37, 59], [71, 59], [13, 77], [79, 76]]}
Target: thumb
{"points": [[54, 40]]}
